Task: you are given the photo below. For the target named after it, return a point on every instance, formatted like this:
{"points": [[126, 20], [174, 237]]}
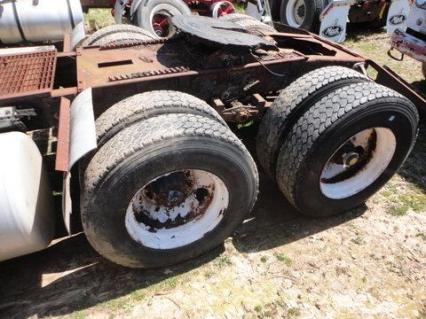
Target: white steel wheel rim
{"points": [[163, 9], [292, 11], [348, 172], [176, 209]]}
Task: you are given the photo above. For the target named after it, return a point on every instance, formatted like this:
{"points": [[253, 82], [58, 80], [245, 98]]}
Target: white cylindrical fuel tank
{"points": [[26, 214], [38, 20]]}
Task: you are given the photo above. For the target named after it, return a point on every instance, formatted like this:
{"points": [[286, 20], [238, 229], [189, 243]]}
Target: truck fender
{"points": [[77, 36], [333, 19], [397, 16], [82, 140]]}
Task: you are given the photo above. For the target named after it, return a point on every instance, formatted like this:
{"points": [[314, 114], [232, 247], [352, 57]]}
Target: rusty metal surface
{"points": [[387, 77], [62, 150], [97, 3], [26, 72], [152, 60]]}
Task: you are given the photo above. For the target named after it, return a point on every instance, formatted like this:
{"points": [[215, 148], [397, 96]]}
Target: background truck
{"points": [[306, 14], [137, 141]]}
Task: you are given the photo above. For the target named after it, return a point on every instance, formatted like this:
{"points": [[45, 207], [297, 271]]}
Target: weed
{"points": [[284, 258], [258, 308], [293, 312], [223, 261], [402, 203]]}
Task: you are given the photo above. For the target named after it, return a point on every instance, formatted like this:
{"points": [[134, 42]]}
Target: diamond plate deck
{"points": [[27, 71]]}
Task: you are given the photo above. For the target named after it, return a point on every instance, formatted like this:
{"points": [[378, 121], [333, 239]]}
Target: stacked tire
{"points": [[168, 182], [332, 138]]}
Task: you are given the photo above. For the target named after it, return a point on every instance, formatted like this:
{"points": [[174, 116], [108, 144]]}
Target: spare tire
{"points": [[153, 16]]}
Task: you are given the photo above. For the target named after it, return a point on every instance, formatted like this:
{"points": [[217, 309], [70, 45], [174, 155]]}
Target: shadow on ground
{"points": [[414, 169], [84, 279]]}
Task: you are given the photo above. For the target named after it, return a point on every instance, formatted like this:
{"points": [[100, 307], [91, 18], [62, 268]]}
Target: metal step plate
{"points": [[26, 71]]}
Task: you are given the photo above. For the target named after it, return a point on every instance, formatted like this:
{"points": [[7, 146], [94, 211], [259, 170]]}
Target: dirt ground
{"points": [[367, 263]]}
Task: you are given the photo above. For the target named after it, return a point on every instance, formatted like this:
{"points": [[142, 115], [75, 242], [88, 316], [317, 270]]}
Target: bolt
{"points": [[350, 159]]}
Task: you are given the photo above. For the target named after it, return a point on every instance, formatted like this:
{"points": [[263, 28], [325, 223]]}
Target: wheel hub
{"points": [[357, 163], [160, 24], [176, 208], [350, 159], [222, 8], [301, 11], [296, 12]]}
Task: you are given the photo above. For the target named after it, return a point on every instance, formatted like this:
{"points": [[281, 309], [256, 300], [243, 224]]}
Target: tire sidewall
{"points": [[308, 195], [108, 227]]}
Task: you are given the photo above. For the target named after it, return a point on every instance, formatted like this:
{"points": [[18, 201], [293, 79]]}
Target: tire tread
{"points": [[291, 103]]}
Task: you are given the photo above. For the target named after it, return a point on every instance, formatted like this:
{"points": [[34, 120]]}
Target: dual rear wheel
{"points": [[333, 138], [171, 181]]}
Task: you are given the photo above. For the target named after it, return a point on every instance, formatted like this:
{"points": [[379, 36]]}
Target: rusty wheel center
{"points": [[176, 207]]}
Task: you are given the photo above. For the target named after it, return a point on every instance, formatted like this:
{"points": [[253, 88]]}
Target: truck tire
{"points": [[116, 32], [302, 14], [146, 105], [345, 147], [292, 103], [167, 189], [153, 16]]}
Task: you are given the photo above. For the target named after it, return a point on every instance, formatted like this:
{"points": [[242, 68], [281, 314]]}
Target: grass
{"points": [[375, 45], [293, 312], [284, 259], [222, 261], [401, 201], [98, 18]]}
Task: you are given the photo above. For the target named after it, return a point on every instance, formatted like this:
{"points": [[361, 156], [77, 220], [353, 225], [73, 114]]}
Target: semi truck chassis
{"points": [[99, 112]]}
